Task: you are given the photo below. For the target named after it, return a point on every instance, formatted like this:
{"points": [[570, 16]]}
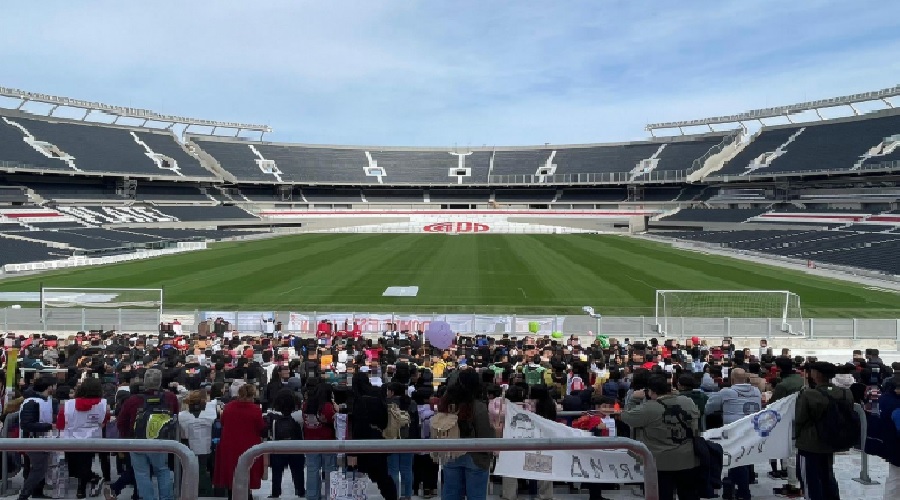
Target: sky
{"points": [[449, 73]]}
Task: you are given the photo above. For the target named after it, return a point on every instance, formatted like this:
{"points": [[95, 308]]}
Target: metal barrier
{"points": [[863, 457], [11, 420], [240, 486], [189, 479]]}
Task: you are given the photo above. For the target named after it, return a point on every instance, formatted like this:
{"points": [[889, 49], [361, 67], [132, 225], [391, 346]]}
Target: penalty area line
{"points": [[523, 293], [291, 290]]}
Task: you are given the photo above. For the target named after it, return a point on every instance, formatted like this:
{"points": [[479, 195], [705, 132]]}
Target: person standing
{"points": [[286, 423], [318, 425], [143, 463], [36, 421], [889, 406], [196, 422], [735, 403], [84, 418], [791, 383], [816, 454], [242, 428], [666, 423], [467, 476]]}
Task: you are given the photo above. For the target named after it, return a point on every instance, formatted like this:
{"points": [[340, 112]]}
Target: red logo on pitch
{"points": [[457, 227]]}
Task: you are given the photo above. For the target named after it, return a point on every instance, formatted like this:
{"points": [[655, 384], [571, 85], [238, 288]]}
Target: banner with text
{"points": [[583, 466], [756, 438]]}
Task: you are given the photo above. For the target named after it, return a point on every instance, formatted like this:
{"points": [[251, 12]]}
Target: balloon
{"points": [[440, 335], [534, 326], [557, 335]]}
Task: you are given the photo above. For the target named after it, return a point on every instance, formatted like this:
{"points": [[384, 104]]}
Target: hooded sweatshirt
{"points": [[735, 402], [708, 384], [83, 418]]}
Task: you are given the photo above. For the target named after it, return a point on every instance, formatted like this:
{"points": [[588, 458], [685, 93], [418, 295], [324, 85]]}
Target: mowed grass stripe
{"points": [[523, 274]]}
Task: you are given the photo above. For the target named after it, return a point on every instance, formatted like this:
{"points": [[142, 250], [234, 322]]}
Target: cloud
{"points": [[439, 73]]}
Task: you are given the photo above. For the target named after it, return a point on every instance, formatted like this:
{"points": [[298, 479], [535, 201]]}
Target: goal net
{"points": [[101, 308], [740, 312]]}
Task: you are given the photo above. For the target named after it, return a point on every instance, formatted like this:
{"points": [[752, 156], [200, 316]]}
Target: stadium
{"points": [[365, 231], [232, 241]]}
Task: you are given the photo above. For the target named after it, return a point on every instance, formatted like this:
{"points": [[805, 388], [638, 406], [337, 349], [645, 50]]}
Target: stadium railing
{"points": [[189, 486], [70, 320], [240, 487], [621, 178]]}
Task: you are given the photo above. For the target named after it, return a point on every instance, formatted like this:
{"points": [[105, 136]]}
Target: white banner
{"points": [[756, 438], [583, 466]]}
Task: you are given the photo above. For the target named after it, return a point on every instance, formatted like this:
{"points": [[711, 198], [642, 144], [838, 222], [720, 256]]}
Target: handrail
{"points": [[189, 479], [241, 483], [863, 457]]}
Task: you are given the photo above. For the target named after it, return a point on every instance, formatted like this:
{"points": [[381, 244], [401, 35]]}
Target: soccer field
{"points": [[539, 274]]}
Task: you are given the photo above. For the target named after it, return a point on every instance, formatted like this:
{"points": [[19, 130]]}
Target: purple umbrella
{"points": [[440, 335]]}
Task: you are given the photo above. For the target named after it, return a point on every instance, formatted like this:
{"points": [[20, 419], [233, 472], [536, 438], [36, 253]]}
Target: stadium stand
{"points": [[325, 195], [836, 145], [624, 158], [713, 215], [376, 195], [15, 251], [202, 214], [875, 251], [593, 195], [417, 167], [13, 194], [16, 151], [236, 158], [76, 189], [450, 195], [524, 195], [313, 164], [166, 144], [868, 228], [520, 162], [170, 193], [100, 148]]}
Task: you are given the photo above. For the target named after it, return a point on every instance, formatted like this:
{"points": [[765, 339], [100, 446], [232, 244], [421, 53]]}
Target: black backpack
{"points": [[154, 420], [284, 428], [839, 426]]}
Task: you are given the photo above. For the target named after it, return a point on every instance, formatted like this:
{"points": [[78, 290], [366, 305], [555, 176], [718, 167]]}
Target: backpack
{"points": [[534, 375], [398, 423], [839, 426], [154, 420], [445, 426], [285, 428], [577, 383]]}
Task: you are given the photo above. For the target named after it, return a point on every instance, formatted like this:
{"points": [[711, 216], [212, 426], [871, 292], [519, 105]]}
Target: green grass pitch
{"points": [[536, 274]]}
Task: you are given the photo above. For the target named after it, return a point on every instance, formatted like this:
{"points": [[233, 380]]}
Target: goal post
{"points": [[61, 307], [760, 310]]}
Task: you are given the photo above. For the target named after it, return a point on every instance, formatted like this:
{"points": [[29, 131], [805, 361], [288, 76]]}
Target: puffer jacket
{"points": [[811, 406], [735, 402]]}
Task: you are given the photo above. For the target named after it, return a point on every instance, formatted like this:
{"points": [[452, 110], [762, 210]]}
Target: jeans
{"points": [[462, 478], [296, 462], [738, 483], [142, 464], [40, 462], [317, 465], [400, 469]]}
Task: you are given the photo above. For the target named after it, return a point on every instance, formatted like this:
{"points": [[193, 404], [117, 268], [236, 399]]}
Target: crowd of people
{"points": [[223, 394]]}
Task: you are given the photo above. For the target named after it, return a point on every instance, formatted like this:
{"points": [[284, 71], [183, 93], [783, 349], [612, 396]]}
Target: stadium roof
{"points": [[124, 112], [779, 111]]}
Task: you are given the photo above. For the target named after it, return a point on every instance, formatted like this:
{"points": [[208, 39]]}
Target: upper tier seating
{"points": [[831, 145], [13, 194], [421, 167], [14, 149], [713, 215], [97, 148]]}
